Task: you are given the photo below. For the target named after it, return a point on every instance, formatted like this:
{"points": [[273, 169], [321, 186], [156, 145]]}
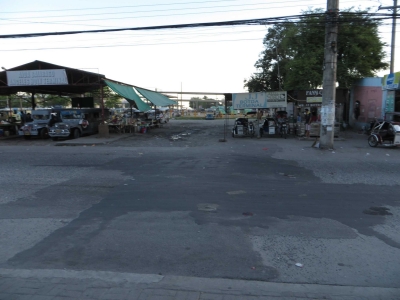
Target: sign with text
{"points": [[391, 81], [276, 99], [259, 100], [314, 100], [249, 100], [37, 77]]}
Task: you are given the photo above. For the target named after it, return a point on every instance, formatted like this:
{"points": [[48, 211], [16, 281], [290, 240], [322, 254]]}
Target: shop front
{"points": [[366, 102], [311, 101]]}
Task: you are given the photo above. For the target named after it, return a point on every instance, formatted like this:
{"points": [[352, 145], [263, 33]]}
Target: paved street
{"points": [[179, 214]]}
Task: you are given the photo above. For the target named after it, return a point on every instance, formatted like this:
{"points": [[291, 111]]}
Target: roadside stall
{"points": [[141, 99], [10, 122], [312, 101]]}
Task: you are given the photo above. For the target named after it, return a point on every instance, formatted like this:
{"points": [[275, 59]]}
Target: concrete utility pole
{"points": [[329, 78], [392, 46]]}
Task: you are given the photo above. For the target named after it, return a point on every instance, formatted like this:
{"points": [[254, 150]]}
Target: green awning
{"points": [[156, 98], [129, 94]]}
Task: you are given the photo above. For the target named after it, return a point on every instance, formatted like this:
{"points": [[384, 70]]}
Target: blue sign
{"points": [[390, 79]]}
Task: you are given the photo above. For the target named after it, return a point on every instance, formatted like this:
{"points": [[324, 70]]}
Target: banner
{"points": [[314, 100], [37, 77], [259, 100]]}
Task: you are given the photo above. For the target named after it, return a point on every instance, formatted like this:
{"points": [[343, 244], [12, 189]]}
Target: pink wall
{"points": [[370, 99]]}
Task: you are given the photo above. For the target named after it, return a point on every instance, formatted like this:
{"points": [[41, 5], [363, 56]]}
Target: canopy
{"points": [[156, 98], [129, 94]]}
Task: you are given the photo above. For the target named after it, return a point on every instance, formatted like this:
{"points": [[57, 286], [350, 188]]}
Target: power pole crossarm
{"points": [[329, 76]]}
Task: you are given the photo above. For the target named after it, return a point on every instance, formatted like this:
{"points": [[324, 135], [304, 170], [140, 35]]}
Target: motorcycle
{"points": [[384, 133], [243, 127], [283, 129], [281, 120]]}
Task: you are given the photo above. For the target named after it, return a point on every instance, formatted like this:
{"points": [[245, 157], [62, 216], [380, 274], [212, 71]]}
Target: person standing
{"points": [[307, 117]]}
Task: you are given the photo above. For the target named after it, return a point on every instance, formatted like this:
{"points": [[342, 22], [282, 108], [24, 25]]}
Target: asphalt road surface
{"points": [[178, 201]]}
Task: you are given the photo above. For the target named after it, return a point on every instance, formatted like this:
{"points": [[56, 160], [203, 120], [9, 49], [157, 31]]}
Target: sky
{"points": [[212, 59]]}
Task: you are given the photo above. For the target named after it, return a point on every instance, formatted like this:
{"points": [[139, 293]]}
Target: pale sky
{"points": [[215, 59]]}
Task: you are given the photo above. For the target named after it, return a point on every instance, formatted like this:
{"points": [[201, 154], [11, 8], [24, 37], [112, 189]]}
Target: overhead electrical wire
{"points": [[262, 21], [114, 7], [157, 10]]}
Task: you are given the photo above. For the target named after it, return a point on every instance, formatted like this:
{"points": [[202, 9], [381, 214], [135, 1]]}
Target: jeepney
{"points": [[38, 125], [73, 123]]}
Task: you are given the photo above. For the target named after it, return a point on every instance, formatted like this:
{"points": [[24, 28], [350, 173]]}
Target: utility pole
{"points": [[392, 46], [329, 77]]}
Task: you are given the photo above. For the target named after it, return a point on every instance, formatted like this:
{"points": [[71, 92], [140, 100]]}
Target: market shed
{"points": [[40, 77], [45, 78]]}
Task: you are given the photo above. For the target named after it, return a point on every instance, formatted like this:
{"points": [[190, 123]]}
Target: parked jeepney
{"points": [[73, 123], [38, 126]]}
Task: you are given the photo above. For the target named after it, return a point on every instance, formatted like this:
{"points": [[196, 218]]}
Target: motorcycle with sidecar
{"points": [[275, 126], [243, 127], [385, 133]]}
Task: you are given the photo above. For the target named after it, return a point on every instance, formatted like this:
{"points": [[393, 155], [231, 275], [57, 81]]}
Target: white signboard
{"points": [[259, 100], [276, 99], [37, 77], [249, 100]]}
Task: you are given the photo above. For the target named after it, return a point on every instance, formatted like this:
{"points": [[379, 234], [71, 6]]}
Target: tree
{"points": [[293, 57], [111, 99], [47, 100]]}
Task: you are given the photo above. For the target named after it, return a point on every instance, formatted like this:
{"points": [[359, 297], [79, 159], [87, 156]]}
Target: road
{"points": [[178, 201]]}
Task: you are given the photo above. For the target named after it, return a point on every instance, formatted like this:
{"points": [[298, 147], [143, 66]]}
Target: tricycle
{"points": [[274, 126], [243, 127], [385, 133]]}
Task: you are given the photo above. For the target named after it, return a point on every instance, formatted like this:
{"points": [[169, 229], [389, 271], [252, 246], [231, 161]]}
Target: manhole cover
{"points": [[207, 207], [377, 211]]}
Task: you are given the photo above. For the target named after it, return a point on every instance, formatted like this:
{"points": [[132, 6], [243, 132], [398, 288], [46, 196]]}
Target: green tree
{"points": [[293, 55], [47, 100], [111, 99]]}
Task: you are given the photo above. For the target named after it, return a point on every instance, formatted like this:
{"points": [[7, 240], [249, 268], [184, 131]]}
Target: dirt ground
{"points": [[176, 133]]}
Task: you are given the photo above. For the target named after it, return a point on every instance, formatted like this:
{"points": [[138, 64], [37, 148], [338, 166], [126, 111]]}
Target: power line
{"points": [[263, 21], [180, 35], [127, 45], [113, 7], [145, 16], [24, 19], [157, 10]]}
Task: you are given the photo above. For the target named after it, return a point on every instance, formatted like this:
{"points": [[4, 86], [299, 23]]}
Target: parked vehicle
{"points": [[210, 114], [385, 133], [281, 121], [243, 127], [38, 126], [74, 123], [268, 126]]}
